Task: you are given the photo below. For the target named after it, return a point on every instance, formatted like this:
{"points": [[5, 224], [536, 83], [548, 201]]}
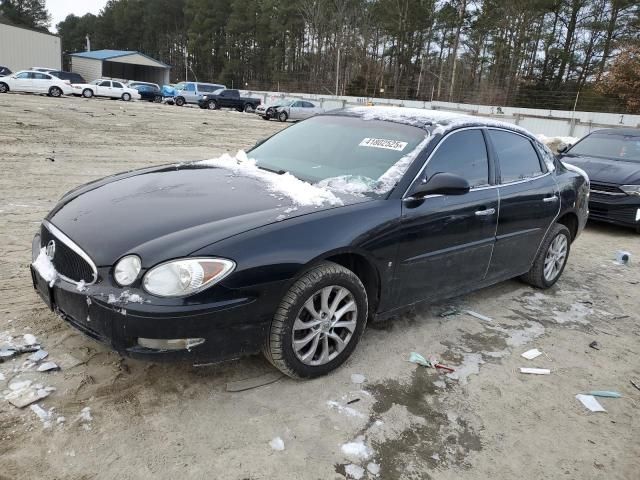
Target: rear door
{"points": [[117, 89], [296, 111], [446, 240], [529, 203], [41, 82]]}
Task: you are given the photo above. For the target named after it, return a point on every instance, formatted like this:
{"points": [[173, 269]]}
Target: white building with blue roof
{"points": [[120, 64]]}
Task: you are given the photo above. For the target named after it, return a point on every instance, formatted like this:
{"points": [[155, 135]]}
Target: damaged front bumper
{"points": [[158, 329], [620, 210]]}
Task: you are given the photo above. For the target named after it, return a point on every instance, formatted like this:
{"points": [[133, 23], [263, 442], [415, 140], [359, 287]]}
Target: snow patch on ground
{"points": [[356, 449], [346, 410], [300, 192], [277, 444], [470, 366], [577, 313], [354, 471], [45, 268]]}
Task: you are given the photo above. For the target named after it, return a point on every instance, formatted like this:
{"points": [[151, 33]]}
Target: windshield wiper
{"points": [[279, 172]]}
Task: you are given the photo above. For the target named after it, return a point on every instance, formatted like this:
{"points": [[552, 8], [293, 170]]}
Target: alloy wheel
{"points": [[555, 258], [325, 325]]}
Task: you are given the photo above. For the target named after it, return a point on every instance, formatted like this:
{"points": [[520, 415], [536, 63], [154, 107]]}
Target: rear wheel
{"points": [[126, 97], [4, 88], [551, 259], [55, 92], [179, 101], [87, 93], [212, 105], [157, 99], [266, 117], [248, 108], [282, 116], [318, 323]]}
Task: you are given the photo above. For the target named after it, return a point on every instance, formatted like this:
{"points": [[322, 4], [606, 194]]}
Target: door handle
{"points": [[550, 199], [485, 213]]}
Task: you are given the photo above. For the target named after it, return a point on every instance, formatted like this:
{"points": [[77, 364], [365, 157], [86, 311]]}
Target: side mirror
{"points": [[442, 184], [563, 147]]}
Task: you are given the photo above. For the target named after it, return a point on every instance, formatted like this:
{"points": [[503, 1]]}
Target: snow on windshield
{"points": [[300, 192]]}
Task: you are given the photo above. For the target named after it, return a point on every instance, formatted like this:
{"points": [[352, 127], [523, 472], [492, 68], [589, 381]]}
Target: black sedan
{"points": [[611, 158], [346, 217], [150, 93]]}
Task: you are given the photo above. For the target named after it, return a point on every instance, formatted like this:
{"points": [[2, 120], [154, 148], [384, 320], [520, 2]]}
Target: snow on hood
{"points": [[300, 192]]}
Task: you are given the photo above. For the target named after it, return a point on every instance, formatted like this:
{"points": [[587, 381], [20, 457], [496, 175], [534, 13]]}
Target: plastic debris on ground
{"points": [[277, 444], [531, 354], [30, 339], [450, 312], [536, 371], [43, 415], [254, 382], [354, 471], [349, 411], [595, 345], [358, 378], [623, 257], [590, 402], [26, 393], [47, 367], [38, 355], [635, 384], [433, 362], [479, 316], [605, 393], [373, 468]]}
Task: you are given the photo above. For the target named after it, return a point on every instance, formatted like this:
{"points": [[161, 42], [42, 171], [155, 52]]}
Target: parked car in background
{"points": [[192, 92], [380, 209], [136, 84], [611, 158], [268, 111], [69, 76], [148, 91], [4, 71], [35, 82], [106, 88], [43, 69], [297, 110], [229, 98]]}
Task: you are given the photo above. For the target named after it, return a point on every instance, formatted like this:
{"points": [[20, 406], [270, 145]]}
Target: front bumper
{"points": [[230, 327], [620, 210]]}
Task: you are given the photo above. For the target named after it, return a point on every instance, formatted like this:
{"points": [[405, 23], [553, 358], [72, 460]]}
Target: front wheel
{"points": [[282, 116], [126, 97], [4, 88], [87, 93], [157, 99], [266, 117], [212, 105], [55, 92], [551, 259], [179, 101], [318, 323], [248, 108]]}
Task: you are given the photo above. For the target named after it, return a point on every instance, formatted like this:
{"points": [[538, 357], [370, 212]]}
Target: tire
{"points": [[558, 240], [266, 117], [179, 101], [282, 116], [212, 105], [87, 93], [249, 108], [55, 92], [126, 97], [269, 113], [157, 99], [310, 288], [4, 88], [239, 109]]}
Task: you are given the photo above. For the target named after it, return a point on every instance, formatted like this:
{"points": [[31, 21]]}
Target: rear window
{"points": [[517, 156], [616, 147]]}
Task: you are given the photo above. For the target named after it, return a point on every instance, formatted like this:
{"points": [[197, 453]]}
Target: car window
{"points": [[296, 104], [190, 87], [24, 75], [117, 85], [517, 156], [308, 105], [615, 147], [41, 76], [205, 88], [462, 153], [106, 83]]}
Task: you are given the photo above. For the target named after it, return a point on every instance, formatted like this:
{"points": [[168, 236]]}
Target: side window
{"points": [[309, 105], [190, 87], [24, 75], [117, 85], [462, 153], [106, 83], [41, 76], [518, 159], [296, 104]]}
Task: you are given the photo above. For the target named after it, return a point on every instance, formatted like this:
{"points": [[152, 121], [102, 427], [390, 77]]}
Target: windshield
{"points": [[615, 147], [218, 91], [346, 153]]}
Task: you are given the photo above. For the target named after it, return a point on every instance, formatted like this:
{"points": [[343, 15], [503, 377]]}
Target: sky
{"points": [[59, 9]]}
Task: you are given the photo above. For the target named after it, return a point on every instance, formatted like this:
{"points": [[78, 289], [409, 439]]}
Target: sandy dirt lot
{"points": [[167, 421]]}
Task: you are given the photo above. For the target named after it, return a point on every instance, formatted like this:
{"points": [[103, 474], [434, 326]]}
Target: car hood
{"points": [[603, 170], [171, 211]]}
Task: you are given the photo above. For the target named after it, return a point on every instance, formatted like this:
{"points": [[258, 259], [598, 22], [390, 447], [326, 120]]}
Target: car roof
{"points": [[627, 132], [434, 121]]}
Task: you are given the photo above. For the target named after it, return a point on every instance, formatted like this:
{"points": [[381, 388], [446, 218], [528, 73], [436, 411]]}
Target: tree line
{"points": [[541, 53]]}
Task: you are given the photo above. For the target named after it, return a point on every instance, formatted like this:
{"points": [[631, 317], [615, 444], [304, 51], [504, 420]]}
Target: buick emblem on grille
{"points": [[50, 250]]}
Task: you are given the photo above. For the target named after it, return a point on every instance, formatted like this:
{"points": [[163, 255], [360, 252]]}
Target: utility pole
{"points": [[337, 71], [420, 77], [186, 63], [88, 43]]}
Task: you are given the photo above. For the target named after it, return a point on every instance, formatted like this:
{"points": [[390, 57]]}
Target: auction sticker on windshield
{"points": [[382, 143]]}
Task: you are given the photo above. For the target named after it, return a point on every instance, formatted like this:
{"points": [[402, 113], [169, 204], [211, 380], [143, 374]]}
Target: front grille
{"points": [[604, 189], [618, 214], [66, 260]]}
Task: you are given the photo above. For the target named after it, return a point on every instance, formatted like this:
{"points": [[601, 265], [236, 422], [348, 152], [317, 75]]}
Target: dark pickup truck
{"points": [[229, 99]]}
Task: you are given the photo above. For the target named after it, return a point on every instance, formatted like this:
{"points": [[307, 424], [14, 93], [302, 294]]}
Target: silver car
{"points": [[192, 92], [297, 110]]}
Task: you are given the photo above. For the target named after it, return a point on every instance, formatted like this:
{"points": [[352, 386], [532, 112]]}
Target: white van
{"points": [[192, 92]]}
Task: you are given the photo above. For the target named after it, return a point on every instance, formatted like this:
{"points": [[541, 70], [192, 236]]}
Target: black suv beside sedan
{"points": [[611, 158], [290, 249]]}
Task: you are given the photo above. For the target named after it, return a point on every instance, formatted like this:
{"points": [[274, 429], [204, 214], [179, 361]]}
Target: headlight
{"points": [[127, 270], [631, 189], [187, 276], [206, 97]]}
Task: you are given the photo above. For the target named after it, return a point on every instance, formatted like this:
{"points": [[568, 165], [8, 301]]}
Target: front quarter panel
{"points": [[574, 195], [280, 252]]}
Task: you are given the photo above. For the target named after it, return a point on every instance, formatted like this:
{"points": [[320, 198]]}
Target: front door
{"points": [[23, 82], [529, 203], [446, 241], [104, 89]]}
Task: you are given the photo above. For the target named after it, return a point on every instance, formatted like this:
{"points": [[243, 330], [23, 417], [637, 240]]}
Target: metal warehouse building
{"points": [[119, 64], [23, 48]]}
